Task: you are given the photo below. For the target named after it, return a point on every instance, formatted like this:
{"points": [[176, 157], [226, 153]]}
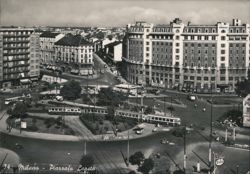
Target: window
{"points": [[223, 45], [223, 38], [222, 51], [177, 44], [222, 58], [147, 43], [177, 37], [222, 78], [177, 50]]}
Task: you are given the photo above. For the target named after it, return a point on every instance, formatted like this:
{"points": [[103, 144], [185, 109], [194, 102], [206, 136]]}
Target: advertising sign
{"points": [[23, 125]]}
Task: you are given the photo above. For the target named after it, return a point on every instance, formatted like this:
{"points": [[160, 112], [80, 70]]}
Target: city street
{"points": [[103, 75], [44, 152]]}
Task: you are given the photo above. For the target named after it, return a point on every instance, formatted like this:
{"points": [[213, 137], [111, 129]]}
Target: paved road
{"points": [[107, 154], [107, 78], [44, 152]]}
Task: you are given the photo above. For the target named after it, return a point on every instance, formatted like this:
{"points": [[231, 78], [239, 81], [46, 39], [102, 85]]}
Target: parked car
{"points": [[192, 97], [164, 141]]}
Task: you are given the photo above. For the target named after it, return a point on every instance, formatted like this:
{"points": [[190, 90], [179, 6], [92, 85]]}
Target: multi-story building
{"points": [[74, 49], [188, 56], [114, 51], [246, 111], [19, 56], [47, 41]]}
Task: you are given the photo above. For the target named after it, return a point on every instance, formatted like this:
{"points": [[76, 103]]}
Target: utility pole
{"points": [[226, 136], [128, 150], [85, 148], [171, 110], [234, 135], [211, 132], [141, 105], [164, 106], [185, 156]]}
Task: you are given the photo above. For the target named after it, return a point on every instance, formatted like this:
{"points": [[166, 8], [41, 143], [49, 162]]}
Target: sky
{"points": [[120, 12]]}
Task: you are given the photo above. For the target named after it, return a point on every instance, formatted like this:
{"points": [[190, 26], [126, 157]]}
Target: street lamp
{"points": [[237, 169]]}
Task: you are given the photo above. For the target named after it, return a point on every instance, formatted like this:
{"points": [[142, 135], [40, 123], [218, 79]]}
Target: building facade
{"points": [[114, 51], [246, 111], [74, 49], [190, 57], [47, 41], [19, 56]]}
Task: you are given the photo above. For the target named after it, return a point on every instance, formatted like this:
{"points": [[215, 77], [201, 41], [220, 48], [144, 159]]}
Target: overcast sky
{"points": [[120, 12]]}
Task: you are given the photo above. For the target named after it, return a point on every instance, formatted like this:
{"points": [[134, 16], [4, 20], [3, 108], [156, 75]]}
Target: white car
{"points": [[154, 130]]}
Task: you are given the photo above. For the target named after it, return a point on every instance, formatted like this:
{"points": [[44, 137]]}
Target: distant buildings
{"points": [[74, 50], [114, 51], [19, 56], [246, 111], [188, 57], [47, 41]]}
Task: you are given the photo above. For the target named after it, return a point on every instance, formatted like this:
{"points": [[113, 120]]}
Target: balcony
{"points": [[15, 35], [17, 59], [16, 41], [16, 53], [16, 47], [16, 72]]}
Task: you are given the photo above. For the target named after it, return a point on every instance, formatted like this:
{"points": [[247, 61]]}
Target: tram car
{"points": [[173, 121], [64, 110]]}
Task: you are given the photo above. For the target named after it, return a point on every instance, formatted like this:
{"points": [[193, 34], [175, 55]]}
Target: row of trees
{"points": [[243, 87]]}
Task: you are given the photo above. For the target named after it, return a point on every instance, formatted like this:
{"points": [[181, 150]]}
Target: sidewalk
{"points": [[200, 94], [89, 137], [45, 136]]}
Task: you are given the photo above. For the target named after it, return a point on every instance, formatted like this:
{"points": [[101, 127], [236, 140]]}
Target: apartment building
{"points": [[19, 56], [246, 111], [114, 51], [47, 41], [188, 57], [74, 49]]}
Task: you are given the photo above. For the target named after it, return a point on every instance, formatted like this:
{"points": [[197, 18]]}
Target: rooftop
{"points": [[49, 34], [72, 40], [112, 44]]}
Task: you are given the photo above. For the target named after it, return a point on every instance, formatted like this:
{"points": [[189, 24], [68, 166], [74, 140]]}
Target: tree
{"points": [[147, 165], [19, 109], [136, 158], [87, 161], [71, 90], [243, 87], [234, 115], [171, 108], [111, 113], [149, 110]]}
